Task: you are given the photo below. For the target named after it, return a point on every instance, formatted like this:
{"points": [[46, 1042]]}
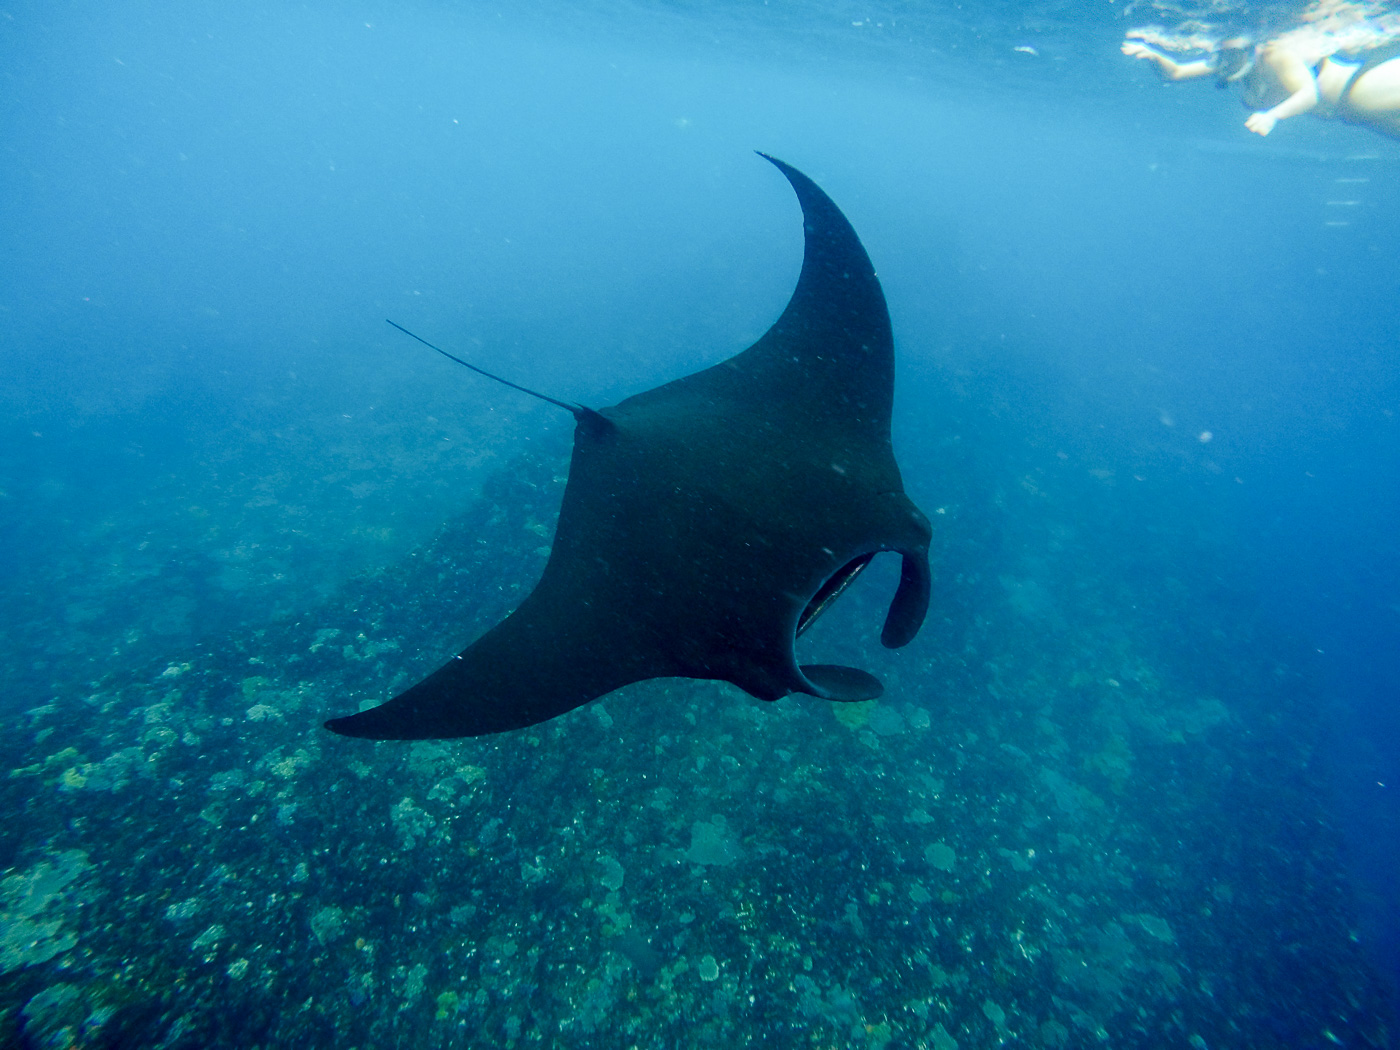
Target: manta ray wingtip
{"points": [[345, 726]]}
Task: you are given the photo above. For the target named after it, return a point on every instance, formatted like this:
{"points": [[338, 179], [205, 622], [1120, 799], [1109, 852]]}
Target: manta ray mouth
{"points": [[831, 590], [906, 613], [832, 681]]}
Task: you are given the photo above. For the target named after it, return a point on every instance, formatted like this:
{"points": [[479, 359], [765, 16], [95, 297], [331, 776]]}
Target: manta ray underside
{"points": [[706, 522]]}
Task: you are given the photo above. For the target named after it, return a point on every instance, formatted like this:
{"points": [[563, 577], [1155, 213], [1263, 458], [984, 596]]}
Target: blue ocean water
{"points": [[1135, 782]]}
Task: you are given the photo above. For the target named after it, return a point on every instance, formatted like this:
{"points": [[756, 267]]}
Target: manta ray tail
{"points": [[582, 413]]}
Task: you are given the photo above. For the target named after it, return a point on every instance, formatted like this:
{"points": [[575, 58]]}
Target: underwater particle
{"points": [[941, 856], [708, 968], [210, 937], [328, 924], [711, 843], [941, 1039]]}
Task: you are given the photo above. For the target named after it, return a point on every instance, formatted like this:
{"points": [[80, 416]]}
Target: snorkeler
{"points": [[1281, 79]]}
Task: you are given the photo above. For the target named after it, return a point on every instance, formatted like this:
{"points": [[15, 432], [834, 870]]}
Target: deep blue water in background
{"points": [[206, 212]]}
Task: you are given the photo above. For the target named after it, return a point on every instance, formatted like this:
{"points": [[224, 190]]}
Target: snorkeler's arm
{"points": [[1297, 78], [1169, 67]]}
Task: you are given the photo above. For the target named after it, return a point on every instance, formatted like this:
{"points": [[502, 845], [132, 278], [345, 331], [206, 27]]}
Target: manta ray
{"points": [[707, 522]]}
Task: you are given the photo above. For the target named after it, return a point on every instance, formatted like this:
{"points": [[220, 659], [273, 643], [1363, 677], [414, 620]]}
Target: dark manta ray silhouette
{"points": [[708, 521]]}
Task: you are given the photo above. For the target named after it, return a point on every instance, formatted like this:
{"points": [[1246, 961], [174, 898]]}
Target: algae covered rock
{"points": [[31, 926]]}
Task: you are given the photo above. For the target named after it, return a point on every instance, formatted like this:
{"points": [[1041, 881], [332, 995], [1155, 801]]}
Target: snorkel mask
{"points": [[1233, 62]]}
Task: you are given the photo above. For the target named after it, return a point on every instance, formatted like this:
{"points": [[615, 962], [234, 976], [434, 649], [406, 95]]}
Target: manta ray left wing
{"points": [[707, 521]]}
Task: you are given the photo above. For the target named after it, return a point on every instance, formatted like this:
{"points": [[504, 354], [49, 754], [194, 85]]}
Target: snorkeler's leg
{"points": [[1374, 99], [1379, 87]]}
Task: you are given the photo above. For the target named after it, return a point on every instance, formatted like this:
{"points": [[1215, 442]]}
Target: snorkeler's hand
{"points": [[1261, 123], [1167, 68]]}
